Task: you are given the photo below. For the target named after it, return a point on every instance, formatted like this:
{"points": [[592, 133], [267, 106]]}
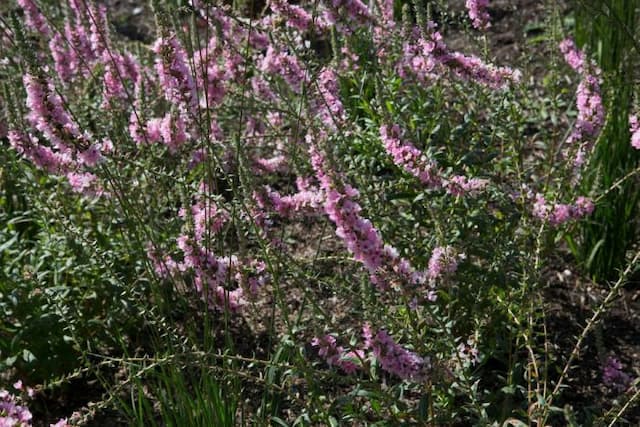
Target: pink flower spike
{"points": [[91, 156], [443, 260], [397, 360], [634, 128], [334, 355], [408, 157], [296, 17], [572, 55], [478, 13], [34, 17]]}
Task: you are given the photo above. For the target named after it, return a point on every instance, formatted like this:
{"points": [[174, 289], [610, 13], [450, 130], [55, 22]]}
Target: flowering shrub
{"points": [[413, 213]]}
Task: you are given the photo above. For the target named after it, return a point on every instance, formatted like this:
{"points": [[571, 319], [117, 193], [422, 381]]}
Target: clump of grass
{"points": [[609, 30]]}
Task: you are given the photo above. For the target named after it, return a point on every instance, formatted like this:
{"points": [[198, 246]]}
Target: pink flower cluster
{"points": [[334, 355], [392, 357], [480, 18], [396, 359], [420, 55], [590, 110], [472, 68], [194, 83], [427, 58], [34, 17], [171, 130], [120, 70], [559, 213], [213, 274], [208, 218], [329, 109], [360, 236], [443, 261], [270, 165], [42, 156], [613, 375], [589, 103], [408, 157], [459, 185], [415, 162], [306, 200], [572, 55], [634, 129], [284, 65], [213, 67], [47, 113], [346, 14], [13, 412], [174, 75], [82, 43], [295, 16], [72, 150]]}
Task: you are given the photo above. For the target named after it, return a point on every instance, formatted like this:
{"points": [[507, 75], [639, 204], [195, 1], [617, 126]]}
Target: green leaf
{"points": [[27, 356]]}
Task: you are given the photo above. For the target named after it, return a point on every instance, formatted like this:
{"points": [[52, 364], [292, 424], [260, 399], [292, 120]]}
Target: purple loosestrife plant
{"points": [[252, 171], [294, 15], [34, 17]]}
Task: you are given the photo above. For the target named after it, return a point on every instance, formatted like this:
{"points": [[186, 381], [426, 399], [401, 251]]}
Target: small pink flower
{"points": [[443, 260], [583, 207], [61, 423], [334, 355], [296, 16], [560, 214], [572, 55], [634, 128], [91, 156], [468, 352], [613, 376], [34, 17], [397, 360], [408, 157], [478, 13]]}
